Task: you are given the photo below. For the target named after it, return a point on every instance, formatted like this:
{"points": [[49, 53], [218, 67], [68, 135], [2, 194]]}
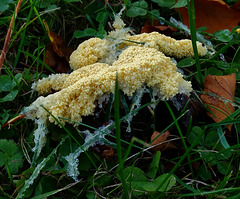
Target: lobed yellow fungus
{"points": [[167, 45], [138, 60], [89, 52], [96, 62], [51, 83], [107, 50], [136, 67]]}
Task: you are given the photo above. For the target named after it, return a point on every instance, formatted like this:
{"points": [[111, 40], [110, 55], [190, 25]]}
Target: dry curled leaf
{"points": [[167, 30], [219, 91], [161, 139], [57, 53], [236, 6], [213, 14], [155, 26], [104, 151]]}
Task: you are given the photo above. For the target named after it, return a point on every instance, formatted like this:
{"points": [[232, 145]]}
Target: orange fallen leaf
{"points": [[167, 30], [54, 61], [236, 6], [108, 153], [104, 151], [155, 26], [57, 53], [213, 14], [161, 139], [217, 90]]}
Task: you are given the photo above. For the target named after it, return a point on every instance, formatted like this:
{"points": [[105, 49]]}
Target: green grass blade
{"points": [[37, 170], [45, 195], [142, 150], [236, 58], [37, 58], [96, 129], [204, 193], [193, 30], [180, 133], [223, 49], [68, 132], [164, 20], [180, 161], [222, 138], [23, 34], [118, 138], [185, 185]]}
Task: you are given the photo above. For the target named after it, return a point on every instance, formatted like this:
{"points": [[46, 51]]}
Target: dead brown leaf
{"points": [[236, 6], [57, 53], [213, 14], [167, 30], [161, 139], [217, 90], [104, 151], [155, 26]]}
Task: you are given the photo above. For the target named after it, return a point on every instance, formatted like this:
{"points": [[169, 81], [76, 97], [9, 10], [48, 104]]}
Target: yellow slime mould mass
{"points": [[139, 60], [167, 45]]}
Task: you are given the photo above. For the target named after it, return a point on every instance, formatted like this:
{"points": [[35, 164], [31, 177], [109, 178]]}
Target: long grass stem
{"points": [[118, 138], [9, 34], [24, 33], [193, 30], [181, 135]]}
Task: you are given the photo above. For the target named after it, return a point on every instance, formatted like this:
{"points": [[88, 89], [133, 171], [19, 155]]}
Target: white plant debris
{"points": [[136, 104], [91, 139], [200, 37]]}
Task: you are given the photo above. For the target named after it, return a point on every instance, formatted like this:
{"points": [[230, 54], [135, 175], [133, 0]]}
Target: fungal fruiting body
{"points": [[167, 45], [139, 61], [136, 66]]}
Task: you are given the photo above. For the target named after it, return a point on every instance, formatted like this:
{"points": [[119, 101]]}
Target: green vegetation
{"points": [[105, 156]]}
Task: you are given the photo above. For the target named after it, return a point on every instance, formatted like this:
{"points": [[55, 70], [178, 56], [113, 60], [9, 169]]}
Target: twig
{"points": [[9, 34], [14, 120]]}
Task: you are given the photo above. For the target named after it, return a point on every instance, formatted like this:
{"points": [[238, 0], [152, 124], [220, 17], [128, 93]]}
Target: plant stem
{"points": [[9, 34], [181, 135], [191, 15], [118, 138], [23, 33]]}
